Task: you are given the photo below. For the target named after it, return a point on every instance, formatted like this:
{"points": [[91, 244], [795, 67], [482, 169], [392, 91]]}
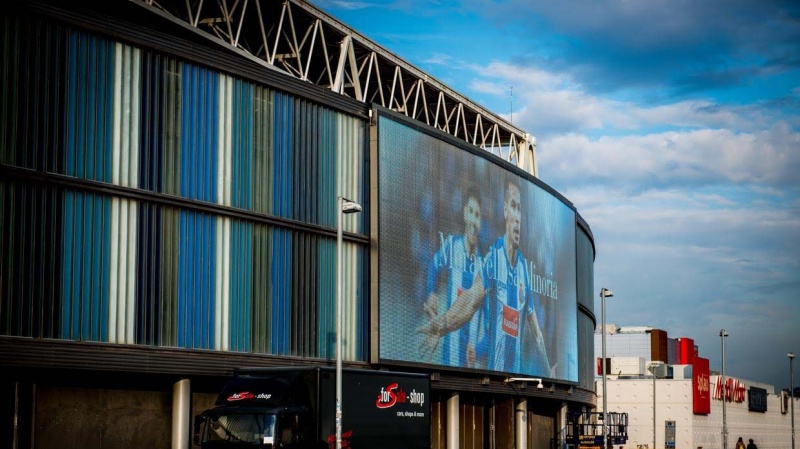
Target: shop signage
{"points": [[733, 390], [757, 400], [701, 391]]}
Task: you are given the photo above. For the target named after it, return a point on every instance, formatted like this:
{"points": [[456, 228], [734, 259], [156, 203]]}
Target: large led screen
{"points": [[476, 265]]}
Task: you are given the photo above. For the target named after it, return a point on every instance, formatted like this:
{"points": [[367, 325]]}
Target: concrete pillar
{"points": [[521, 423], [452, 421], [181, 414]]}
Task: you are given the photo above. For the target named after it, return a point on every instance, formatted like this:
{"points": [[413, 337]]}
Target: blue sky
{"points": [[674, 128]]}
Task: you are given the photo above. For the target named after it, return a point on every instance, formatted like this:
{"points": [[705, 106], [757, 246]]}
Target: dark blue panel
{"points": [[148, 275], [152, 116], [283, 169], [196, 281], [199, 134]]}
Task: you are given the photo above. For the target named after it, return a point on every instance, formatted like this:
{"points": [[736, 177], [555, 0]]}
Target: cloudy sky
{"points": [[674, 128]]}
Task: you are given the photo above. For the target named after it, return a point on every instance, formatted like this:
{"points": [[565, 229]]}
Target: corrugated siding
{"points": [[196, 324], [198, 137], [149, 270], [124, 212], [89, 107], [261, 319], [282, 174], [263, 154], [30, 261], [32, 123], [350, 147], [85, 280]]}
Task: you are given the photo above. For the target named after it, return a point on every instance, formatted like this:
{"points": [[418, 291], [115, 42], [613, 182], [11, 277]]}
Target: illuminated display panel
{"points": [[476, 264]]}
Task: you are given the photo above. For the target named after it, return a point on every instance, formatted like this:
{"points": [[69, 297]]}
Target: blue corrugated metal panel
{"points": [[89, 107], [196, 281], [199, 123], [281, 275], [241, 294], [154, 119], [326, 298], [149, 300], [85, 261], [283, 169]]}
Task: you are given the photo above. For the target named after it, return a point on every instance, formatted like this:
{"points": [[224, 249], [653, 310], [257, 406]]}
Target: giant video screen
{"points": [[476, 265]]}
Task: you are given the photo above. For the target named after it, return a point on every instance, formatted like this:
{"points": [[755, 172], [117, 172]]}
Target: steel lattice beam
{"points": [[302, 41]]}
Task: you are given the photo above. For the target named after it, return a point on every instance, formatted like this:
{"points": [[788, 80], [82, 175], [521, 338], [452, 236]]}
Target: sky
{"points": [[673, 126]]}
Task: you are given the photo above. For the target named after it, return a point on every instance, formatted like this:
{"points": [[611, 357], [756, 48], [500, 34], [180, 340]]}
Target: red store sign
{"points": [[733, 390]]}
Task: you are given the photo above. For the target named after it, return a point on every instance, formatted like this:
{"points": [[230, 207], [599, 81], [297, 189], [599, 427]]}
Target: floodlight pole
{"points": [[722, 335], [653, 367], [343, 206], [604, 293], [791, 390]]}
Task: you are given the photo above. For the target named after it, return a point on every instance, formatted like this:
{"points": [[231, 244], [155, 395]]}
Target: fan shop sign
{"points": [[733, 390]]}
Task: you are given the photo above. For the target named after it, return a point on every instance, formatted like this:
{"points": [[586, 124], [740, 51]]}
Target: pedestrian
{"points": [[751, 445], [740, 444]]}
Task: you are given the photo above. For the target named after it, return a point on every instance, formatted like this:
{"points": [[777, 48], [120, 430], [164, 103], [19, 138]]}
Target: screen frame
{"points": [[376, 113]]}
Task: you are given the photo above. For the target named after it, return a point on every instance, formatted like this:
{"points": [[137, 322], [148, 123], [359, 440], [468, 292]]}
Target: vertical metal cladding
{"points": [[30, 260], [350, 147], [85, 280], [124, 212], [159, 272], [89, 143], [32, 123]]}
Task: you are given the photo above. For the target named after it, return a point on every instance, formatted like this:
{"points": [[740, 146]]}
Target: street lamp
{"points": [[722, 335], [604, 293], [344, 206], [791, 390], [653, 368]]}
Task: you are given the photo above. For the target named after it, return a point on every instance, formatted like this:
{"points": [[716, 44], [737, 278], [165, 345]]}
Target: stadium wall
{"points": [[168, 213]]}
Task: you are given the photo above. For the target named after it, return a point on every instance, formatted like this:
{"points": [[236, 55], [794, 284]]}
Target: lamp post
{"points": [[722, 335], [343, 206], [653, 369], [604, 293], [791, 390]]}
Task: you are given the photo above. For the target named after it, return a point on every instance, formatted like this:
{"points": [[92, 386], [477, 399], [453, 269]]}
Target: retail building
{"points": [[670, 394]]}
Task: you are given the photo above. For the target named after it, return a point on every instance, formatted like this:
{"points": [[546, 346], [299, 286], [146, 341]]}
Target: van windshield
{"points": [[251, 428]]}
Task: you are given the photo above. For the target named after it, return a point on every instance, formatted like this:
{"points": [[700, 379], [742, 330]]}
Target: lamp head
{"points": [[606, 293], [723, 333], [790, 355], [350, 207]]}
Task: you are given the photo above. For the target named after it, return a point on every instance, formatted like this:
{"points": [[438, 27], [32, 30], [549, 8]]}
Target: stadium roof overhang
{"points": [[300, 40]]}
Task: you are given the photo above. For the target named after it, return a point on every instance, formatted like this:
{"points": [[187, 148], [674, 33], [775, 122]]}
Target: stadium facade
{"points": [[168, 212]]}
